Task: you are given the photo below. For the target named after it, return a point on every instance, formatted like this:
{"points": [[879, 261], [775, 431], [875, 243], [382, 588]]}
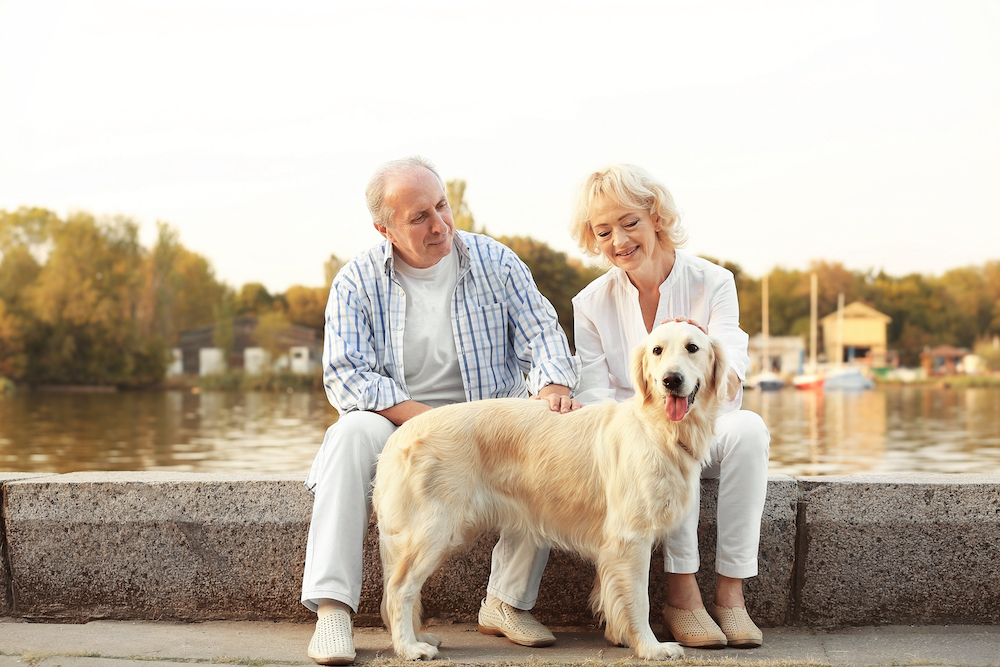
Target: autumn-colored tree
{"points": [[462, 216], [12, 357], [268, 333], [86, 300], [557, 277], [253, 299], [331, 268], [306, 306]]}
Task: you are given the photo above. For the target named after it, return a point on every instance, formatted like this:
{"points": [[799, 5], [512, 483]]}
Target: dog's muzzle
{"points": [[677, 405]]}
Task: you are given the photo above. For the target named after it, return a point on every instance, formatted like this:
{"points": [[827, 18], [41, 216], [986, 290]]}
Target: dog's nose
{"points": [[673, 381]]}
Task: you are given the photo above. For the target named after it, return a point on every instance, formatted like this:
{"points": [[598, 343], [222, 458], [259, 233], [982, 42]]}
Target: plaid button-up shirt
{"points": [[504, 329]]}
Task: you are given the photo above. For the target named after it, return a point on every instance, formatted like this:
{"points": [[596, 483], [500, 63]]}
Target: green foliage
{"points": [[557, 277], [306, 306], [268, 332], [82, 302], [461, 215], [989, 350], [253, 299]]}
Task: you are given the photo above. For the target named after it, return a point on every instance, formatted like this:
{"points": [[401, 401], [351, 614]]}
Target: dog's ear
{"points": [[720, 371], [637, 369]]}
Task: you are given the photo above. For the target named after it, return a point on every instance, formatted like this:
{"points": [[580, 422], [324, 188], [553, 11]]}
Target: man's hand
{"points": [[558, 398], [401, 412]]}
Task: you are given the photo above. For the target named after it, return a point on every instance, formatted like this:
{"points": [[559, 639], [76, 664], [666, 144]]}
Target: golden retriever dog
{"points": [[605, 481]]}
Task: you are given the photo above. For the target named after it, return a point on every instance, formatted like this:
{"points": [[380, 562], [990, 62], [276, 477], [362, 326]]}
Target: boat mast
{"points": [[765, 352], [840, 329], [813, 312]]}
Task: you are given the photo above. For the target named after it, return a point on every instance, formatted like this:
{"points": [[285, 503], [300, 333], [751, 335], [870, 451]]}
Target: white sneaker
{"points": [[517, 625], [333, 642]]}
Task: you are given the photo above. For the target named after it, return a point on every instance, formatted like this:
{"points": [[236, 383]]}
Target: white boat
{"points": [[851, 379]]}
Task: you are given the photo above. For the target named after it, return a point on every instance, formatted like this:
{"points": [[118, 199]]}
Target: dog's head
{"points": [[675, 364]]}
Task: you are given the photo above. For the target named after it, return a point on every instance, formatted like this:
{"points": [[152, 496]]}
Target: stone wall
{"points": [[835, 551]]}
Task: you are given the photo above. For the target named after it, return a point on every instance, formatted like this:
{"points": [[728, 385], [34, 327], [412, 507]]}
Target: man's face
{"points": [[422, 228]]}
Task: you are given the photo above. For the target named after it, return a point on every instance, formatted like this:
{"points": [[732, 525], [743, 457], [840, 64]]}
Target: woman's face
{"points": [[626, 236]]}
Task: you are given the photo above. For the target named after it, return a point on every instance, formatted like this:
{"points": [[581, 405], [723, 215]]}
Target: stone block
{"points": [[157, 545], [454, 592], [6, 596], [902, 549]]}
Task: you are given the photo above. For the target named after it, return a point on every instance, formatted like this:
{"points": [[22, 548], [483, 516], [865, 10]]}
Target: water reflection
{"points": [[906, 429], [209, 432], [812, 433]]}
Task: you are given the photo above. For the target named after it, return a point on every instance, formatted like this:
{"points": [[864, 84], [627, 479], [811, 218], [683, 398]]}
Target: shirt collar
{"points": [[464, 256]]}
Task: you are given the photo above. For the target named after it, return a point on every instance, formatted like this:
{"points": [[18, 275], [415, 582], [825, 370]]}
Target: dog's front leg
{"points": [[623, 569]]}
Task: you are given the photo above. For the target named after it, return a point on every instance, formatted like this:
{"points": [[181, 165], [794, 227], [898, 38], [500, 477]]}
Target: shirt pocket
{"points": [[491, 335], [486, 353]]}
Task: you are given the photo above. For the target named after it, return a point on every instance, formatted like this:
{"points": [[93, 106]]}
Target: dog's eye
{"points": [[657, 350], [691, 347]]}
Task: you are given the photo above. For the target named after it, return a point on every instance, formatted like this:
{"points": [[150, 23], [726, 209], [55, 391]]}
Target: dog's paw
{"points": [[429, 638], [417, 651], [660, 651]]}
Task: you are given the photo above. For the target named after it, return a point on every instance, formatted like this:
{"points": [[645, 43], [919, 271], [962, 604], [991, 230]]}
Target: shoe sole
{"points": [[752, 643], [535, 643], [711, 643], [328, 660]]}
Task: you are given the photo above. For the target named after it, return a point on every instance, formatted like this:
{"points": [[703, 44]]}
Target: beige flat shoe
{"points": [[333, 641], [741, 631], [695, 629], [517, 625]]}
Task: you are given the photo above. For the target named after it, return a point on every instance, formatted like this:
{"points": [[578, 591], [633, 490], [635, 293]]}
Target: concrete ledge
{"points": [[921, 549], [6, 600], [156, 546], [837, 551]]}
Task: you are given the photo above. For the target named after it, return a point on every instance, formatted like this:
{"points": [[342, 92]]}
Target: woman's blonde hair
{"points": [[631, 187]]}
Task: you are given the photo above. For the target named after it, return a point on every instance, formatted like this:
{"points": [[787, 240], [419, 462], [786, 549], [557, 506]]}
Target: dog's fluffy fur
{"points": [[606, 481]]}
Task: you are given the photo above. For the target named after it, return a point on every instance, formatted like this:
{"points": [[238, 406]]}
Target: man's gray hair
{"points": [[375, 192]]}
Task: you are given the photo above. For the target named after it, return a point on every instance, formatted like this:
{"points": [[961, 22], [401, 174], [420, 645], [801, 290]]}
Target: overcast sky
{"points": [[861, 132]]}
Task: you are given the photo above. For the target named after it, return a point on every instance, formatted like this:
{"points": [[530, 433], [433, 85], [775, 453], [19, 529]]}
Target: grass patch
{"points": [[284, 382]]}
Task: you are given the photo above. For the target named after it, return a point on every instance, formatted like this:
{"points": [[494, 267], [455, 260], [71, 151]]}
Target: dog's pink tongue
{"points": [[676, 407]]}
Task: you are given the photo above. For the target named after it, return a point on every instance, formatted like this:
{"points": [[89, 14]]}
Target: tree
{"points": [[86, 299], [12, 357], [253, 299], [557, 277], [462, 216], [306, 306], [331, 268], [268, 333]]}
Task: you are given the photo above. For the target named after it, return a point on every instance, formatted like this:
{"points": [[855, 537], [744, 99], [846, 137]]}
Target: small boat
{"points": [[767, 381], [809, 381], [850, 379]]}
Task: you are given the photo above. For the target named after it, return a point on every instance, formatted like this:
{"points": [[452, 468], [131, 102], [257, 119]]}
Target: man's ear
{"points": [[381, 230]]}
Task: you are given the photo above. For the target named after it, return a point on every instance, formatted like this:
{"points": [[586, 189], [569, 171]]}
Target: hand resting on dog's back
{"points": [[605, 481]]}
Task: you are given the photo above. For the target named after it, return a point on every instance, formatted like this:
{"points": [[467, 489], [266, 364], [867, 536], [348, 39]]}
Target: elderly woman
{"points": [[627, 217]]}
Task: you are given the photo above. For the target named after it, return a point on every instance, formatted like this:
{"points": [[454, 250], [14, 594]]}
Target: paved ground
{"points": [[135, 644]]}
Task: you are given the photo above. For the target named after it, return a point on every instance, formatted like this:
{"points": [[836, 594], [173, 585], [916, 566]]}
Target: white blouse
{"points": [[608, 323]]}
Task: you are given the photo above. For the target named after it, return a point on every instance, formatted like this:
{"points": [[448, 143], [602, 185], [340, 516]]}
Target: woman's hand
{"points": [[685, 319]]}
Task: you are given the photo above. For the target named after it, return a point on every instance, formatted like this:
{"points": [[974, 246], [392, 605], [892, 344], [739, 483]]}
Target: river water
{"points": [[896, 429]]}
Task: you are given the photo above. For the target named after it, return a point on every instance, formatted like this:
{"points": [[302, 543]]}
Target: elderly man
{"points": [[387, 358]]}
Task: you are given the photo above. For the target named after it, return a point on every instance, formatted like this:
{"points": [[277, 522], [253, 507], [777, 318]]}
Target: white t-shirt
{"points": [[430, 360]]}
